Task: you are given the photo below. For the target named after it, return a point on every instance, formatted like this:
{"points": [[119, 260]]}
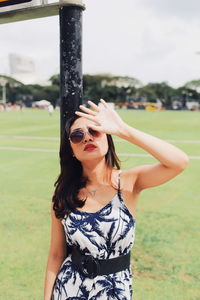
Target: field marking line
{"points": [[21, 137], [57, 139], [57, 151], [28, 149]]}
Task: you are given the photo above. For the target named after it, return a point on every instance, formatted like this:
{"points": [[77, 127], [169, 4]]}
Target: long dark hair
{"points": [[71, 179]]}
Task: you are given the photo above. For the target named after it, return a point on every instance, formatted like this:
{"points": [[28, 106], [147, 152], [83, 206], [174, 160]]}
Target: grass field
{"points": [[165, 257]]}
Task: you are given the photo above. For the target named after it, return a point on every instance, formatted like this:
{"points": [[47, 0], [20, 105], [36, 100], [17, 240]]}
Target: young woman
{"points": [[94, 205]]}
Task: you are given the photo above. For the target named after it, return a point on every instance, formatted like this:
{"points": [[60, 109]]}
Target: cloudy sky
{"points": [[150, 40]]}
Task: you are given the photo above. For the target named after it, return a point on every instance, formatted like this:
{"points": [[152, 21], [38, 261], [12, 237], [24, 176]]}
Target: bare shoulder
{"points": [[130, 193], [130, 172], [129, 178]]}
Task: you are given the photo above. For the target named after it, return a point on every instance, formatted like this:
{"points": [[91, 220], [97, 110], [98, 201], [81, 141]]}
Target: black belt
{"points": [[91, 266]]}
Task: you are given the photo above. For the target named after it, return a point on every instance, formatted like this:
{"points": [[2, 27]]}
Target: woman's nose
{"points": [[87, 137]]}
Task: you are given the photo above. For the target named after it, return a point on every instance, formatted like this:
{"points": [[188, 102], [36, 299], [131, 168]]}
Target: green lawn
{"points": [[165, 257]]}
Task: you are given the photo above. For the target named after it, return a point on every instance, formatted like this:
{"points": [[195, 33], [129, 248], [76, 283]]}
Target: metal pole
{"points": [[71, 82]]}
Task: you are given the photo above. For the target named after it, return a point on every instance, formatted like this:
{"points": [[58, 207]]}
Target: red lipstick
{"points": [[89, 147]]}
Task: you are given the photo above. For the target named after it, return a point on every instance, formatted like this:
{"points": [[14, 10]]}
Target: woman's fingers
{"points": [[96, 127], [89, 117], [104, 103], [93, 105], [87, 110]]}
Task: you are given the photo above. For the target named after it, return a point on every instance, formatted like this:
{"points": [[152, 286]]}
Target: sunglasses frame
{"points": [[84, 133]]}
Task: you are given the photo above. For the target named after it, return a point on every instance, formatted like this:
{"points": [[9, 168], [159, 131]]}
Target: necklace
{"points": [[92, 192]]}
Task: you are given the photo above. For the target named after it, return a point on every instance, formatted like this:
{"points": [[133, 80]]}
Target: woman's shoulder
{"points": [[128, 178], [125, 173], [122, 175], [129, 172]]}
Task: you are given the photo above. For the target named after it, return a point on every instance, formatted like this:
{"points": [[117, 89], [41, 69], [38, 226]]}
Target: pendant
{"points": [[92, 193]]}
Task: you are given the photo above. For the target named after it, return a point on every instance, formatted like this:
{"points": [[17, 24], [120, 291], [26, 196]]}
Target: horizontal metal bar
{"points": [[42, 11]]}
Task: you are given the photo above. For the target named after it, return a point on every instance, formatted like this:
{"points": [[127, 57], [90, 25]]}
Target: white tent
{"points": [[41, 104]]}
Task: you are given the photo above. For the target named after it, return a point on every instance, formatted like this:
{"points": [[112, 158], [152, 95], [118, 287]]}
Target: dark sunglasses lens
{"points": [[93, 132], [76, 137]]}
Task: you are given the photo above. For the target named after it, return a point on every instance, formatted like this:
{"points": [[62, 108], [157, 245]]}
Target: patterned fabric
{"points": [[107, 233]]}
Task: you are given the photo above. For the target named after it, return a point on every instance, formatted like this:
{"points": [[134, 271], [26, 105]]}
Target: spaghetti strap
{"points": [[119, 188]]}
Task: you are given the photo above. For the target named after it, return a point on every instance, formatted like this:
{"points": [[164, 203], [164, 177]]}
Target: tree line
{"points": [[118, 89]]}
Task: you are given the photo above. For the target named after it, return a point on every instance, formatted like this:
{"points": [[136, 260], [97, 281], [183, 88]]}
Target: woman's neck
{"points": [[98, 173]]}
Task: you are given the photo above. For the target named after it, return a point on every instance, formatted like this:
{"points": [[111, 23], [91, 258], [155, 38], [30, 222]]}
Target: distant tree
{"points": [[192, 89], [153, 91], [107, 86], [92, 89], [55, 79], [50, 93], [193, 85], [111, 88], [185, 95], [12, 82]]}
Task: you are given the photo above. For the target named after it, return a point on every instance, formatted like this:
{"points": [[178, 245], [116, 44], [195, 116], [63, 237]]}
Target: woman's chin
{"points": [[92, 157]]}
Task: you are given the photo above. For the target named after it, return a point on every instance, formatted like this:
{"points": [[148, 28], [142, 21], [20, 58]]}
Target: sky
{"points": [[150, 40]]}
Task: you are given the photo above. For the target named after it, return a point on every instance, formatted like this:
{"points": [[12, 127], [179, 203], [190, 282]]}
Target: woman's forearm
{"points": [[53, 266], [166, 153]]}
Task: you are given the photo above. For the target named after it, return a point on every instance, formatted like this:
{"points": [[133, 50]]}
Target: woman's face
{"points": [[90, 147]]}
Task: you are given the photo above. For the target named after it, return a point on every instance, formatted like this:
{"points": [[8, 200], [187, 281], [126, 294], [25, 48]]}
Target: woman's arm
{"points": [[172, 159], [56, 256]]}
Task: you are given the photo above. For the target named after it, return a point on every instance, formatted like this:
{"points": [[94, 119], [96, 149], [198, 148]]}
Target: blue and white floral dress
{"points": [[105, 234]]}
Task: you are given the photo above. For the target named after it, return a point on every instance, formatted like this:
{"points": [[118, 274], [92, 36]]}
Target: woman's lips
{"points": [[90, 147]]}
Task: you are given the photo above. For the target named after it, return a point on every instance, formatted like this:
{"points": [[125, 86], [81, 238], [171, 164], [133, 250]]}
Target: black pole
{"points": [[71, 81]]}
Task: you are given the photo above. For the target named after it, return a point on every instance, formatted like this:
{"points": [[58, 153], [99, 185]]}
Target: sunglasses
{"points": [[78, 135]]}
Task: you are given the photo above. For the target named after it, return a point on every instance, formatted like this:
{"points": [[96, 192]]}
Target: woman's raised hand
{"points": [[105, 119]]}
